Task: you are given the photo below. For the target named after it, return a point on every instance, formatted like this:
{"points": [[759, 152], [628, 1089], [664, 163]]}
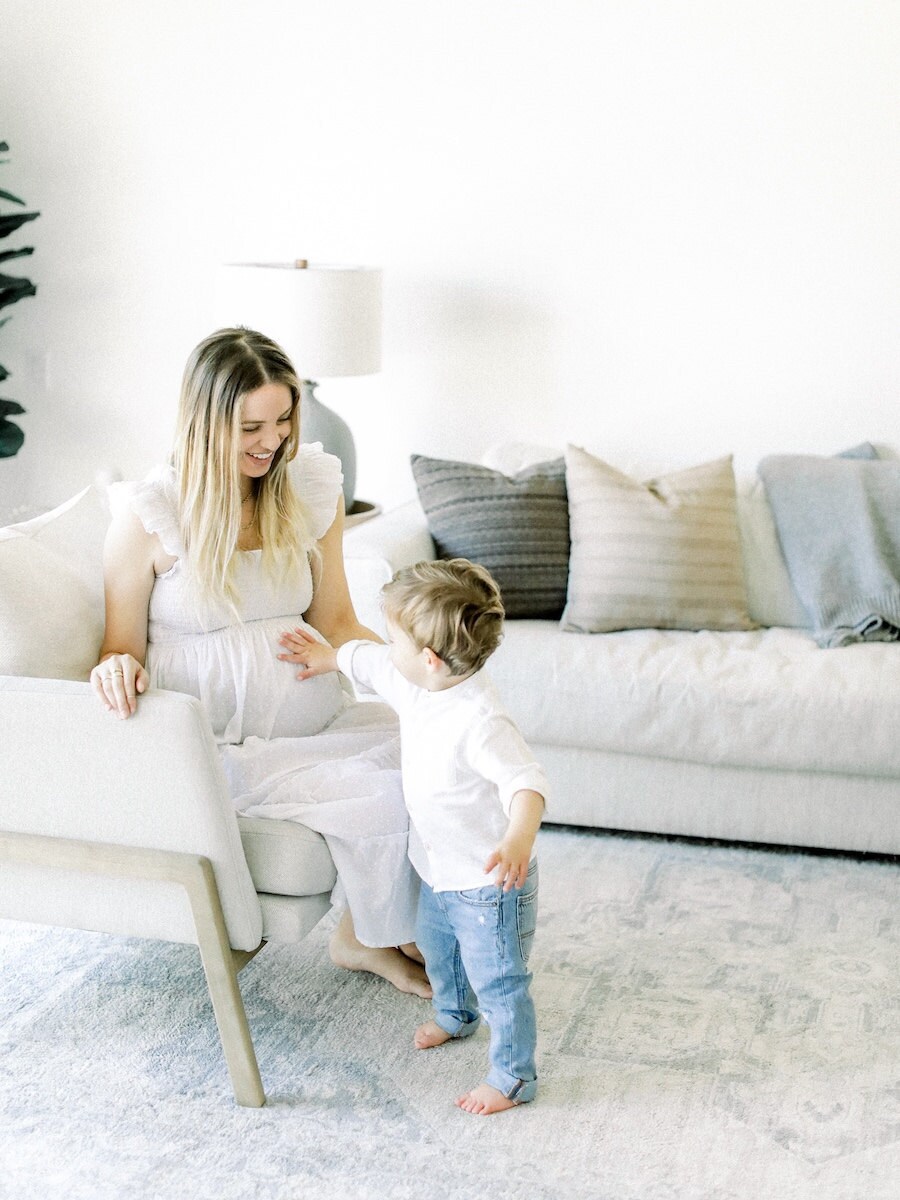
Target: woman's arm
{"points": [[129, 571], [331, 611]]}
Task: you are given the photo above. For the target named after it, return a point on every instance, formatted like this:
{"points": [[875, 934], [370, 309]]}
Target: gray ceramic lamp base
{"points": [[319, 424]]}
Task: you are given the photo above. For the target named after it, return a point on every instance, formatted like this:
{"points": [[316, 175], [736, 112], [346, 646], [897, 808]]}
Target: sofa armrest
{"points": [[375, 549]]}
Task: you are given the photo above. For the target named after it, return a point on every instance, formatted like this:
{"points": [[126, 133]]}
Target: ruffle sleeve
{"points": [[154, 501], [318, 479]]}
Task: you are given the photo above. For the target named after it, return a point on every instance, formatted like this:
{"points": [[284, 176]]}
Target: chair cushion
{"points": [[285, 857], [290, 918]]}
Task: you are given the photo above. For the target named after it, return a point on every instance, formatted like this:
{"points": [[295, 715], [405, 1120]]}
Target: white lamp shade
{"points": [[327, 318]]}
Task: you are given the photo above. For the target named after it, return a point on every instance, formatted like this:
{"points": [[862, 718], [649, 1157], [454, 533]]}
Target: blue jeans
{"points": [[476, 943]]}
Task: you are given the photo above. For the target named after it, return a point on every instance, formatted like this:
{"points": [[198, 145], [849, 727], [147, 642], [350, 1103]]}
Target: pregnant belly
{"points": [[245, 689]]}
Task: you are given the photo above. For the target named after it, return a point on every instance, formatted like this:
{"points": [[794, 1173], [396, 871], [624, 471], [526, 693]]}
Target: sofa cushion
{"points": [[664, 554], [51, 590], [771, 599], [765, 698], [516, 526]]}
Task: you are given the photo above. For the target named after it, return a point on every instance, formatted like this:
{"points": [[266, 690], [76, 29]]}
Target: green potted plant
{"points": [[12, 289]]}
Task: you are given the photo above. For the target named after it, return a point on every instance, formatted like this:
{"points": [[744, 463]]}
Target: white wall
{"points": [[660, 228]]}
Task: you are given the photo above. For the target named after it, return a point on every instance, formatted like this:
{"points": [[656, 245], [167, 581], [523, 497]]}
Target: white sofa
{"points": [[755, 736]]}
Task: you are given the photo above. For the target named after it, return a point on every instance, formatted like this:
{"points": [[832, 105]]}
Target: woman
{"points": [[206, 563]]}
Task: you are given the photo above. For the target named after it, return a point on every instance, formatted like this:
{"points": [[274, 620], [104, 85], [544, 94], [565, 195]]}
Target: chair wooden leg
{"points": [[220, 963]]}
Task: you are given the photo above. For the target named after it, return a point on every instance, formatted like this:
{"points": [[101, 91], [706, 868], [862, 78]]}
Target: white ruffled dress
{"points": [[297, 750]]}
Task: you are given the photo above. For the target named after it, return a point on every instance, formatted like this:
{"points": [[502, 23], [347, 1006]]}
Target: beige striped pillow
{"points": [[665, 554]]}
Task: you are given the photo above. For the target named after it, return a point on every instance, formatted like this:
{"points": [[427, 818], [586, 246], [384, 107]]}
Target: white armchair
{"points": [[127, 827]]}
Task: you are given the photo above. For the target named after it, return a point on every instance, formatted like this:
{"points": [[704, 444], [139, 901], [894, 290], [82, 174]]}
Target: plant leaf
{"points": [[4, 374], [10, 222], [11, 197], [10, 406], [6, 255], [11, 295], [12, 280], [3, 146], [11, 439]]}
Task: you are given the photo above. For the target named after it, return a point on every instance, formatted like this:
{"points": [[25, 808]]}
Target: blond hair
{"points": [[451, 606], [220, 372]]}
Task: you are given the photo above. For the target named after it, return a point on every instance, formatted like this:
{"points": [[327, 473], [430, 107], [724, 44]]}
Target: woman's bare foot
{"points": [[411, 950], [389, 962], [484, 1100], [430, 1034]]}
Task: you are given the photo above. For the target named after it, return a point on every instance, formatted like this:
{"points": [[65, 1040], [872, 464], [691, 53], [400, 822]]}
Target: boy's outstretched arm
{"points": [[311, 655], [512, 856]]}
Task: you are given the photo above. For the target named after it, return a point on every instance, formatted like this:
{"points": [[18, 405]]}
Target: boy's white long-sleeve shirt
{"points": [[463, 760]]}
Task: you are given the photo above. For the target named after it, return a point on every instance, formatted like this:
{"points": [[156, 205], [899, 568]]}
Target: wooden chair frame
{"points": [[194, 873]]}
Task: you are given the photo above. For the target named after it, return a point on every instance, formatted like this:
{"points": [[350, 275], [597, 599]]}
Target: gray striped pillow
{"points": [[665, 554], [516, 526]]}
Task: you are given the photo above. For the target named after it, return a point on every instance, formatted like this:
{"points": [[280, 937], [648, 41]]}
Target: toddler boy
{"points": [[475, 797]]}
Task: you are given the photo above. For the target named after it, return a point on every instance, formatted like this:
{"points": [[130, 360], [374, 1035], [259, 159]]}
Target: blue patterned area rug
{"points": [[716, 1022]]}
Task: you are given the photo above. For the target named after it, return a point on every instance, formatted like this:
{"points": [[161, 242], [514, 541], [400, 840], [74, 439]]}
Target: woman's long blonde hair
{"points": [[219, 373]]}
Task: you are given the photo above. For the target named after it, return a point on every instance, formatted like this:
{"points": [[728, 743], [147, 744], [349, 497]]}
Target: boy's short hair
{"points": [[452, 606]]}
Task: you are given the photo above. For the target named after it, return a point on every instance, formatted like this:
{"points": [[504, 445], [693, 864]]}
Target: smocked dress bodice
{"points": [[229, 660]]}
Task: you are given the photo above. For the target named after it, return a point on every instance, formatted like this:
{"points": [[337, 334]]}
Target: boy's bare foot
{"points": [[430, 1034], [484, 1100], [389, 962]]}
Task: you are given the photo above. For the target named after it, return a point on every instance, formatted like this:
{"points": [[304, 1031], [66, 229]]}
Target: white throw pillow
{"points": [[771, 599], [664, 554], [51, 590]]}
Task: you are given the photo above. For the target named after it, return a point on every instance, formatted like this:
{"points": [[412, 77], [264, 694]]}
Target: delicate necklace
{"points": [[252, 520]]}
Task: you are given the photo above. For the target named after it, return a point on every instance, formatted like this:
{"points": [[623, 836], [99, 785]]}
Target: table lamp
{"points": [[327, 318]]}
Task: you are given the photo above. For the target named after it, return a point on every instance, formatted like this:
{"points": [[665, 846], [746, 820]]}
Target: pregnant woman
{"points": [[207, 562]]}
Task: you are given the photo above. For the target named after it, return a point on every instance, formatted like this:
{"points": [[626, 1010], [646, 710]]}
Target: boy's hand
{"points": [[511, 858], [313, 656]]}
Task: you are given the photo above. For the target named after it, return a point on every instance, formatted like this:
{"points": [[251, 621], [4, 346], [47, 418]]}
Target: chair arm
{"points": [[72, 771], [375, 549]]}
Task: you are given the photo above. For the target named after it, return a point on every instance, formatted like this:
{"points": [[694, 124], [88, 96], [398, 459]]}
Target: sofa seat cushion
{"points": [[285, 857], [763, 698]]}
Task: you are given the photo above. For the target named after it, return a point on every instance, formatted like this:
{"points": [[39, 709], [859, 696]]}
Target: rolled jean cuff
{"points": [[519, 1090], [457, 1029]]}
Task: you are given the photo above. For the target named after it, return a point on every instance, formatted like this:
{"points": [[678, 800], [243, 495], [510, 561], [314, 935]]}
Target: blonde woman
{"points": [[206, 563]]}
